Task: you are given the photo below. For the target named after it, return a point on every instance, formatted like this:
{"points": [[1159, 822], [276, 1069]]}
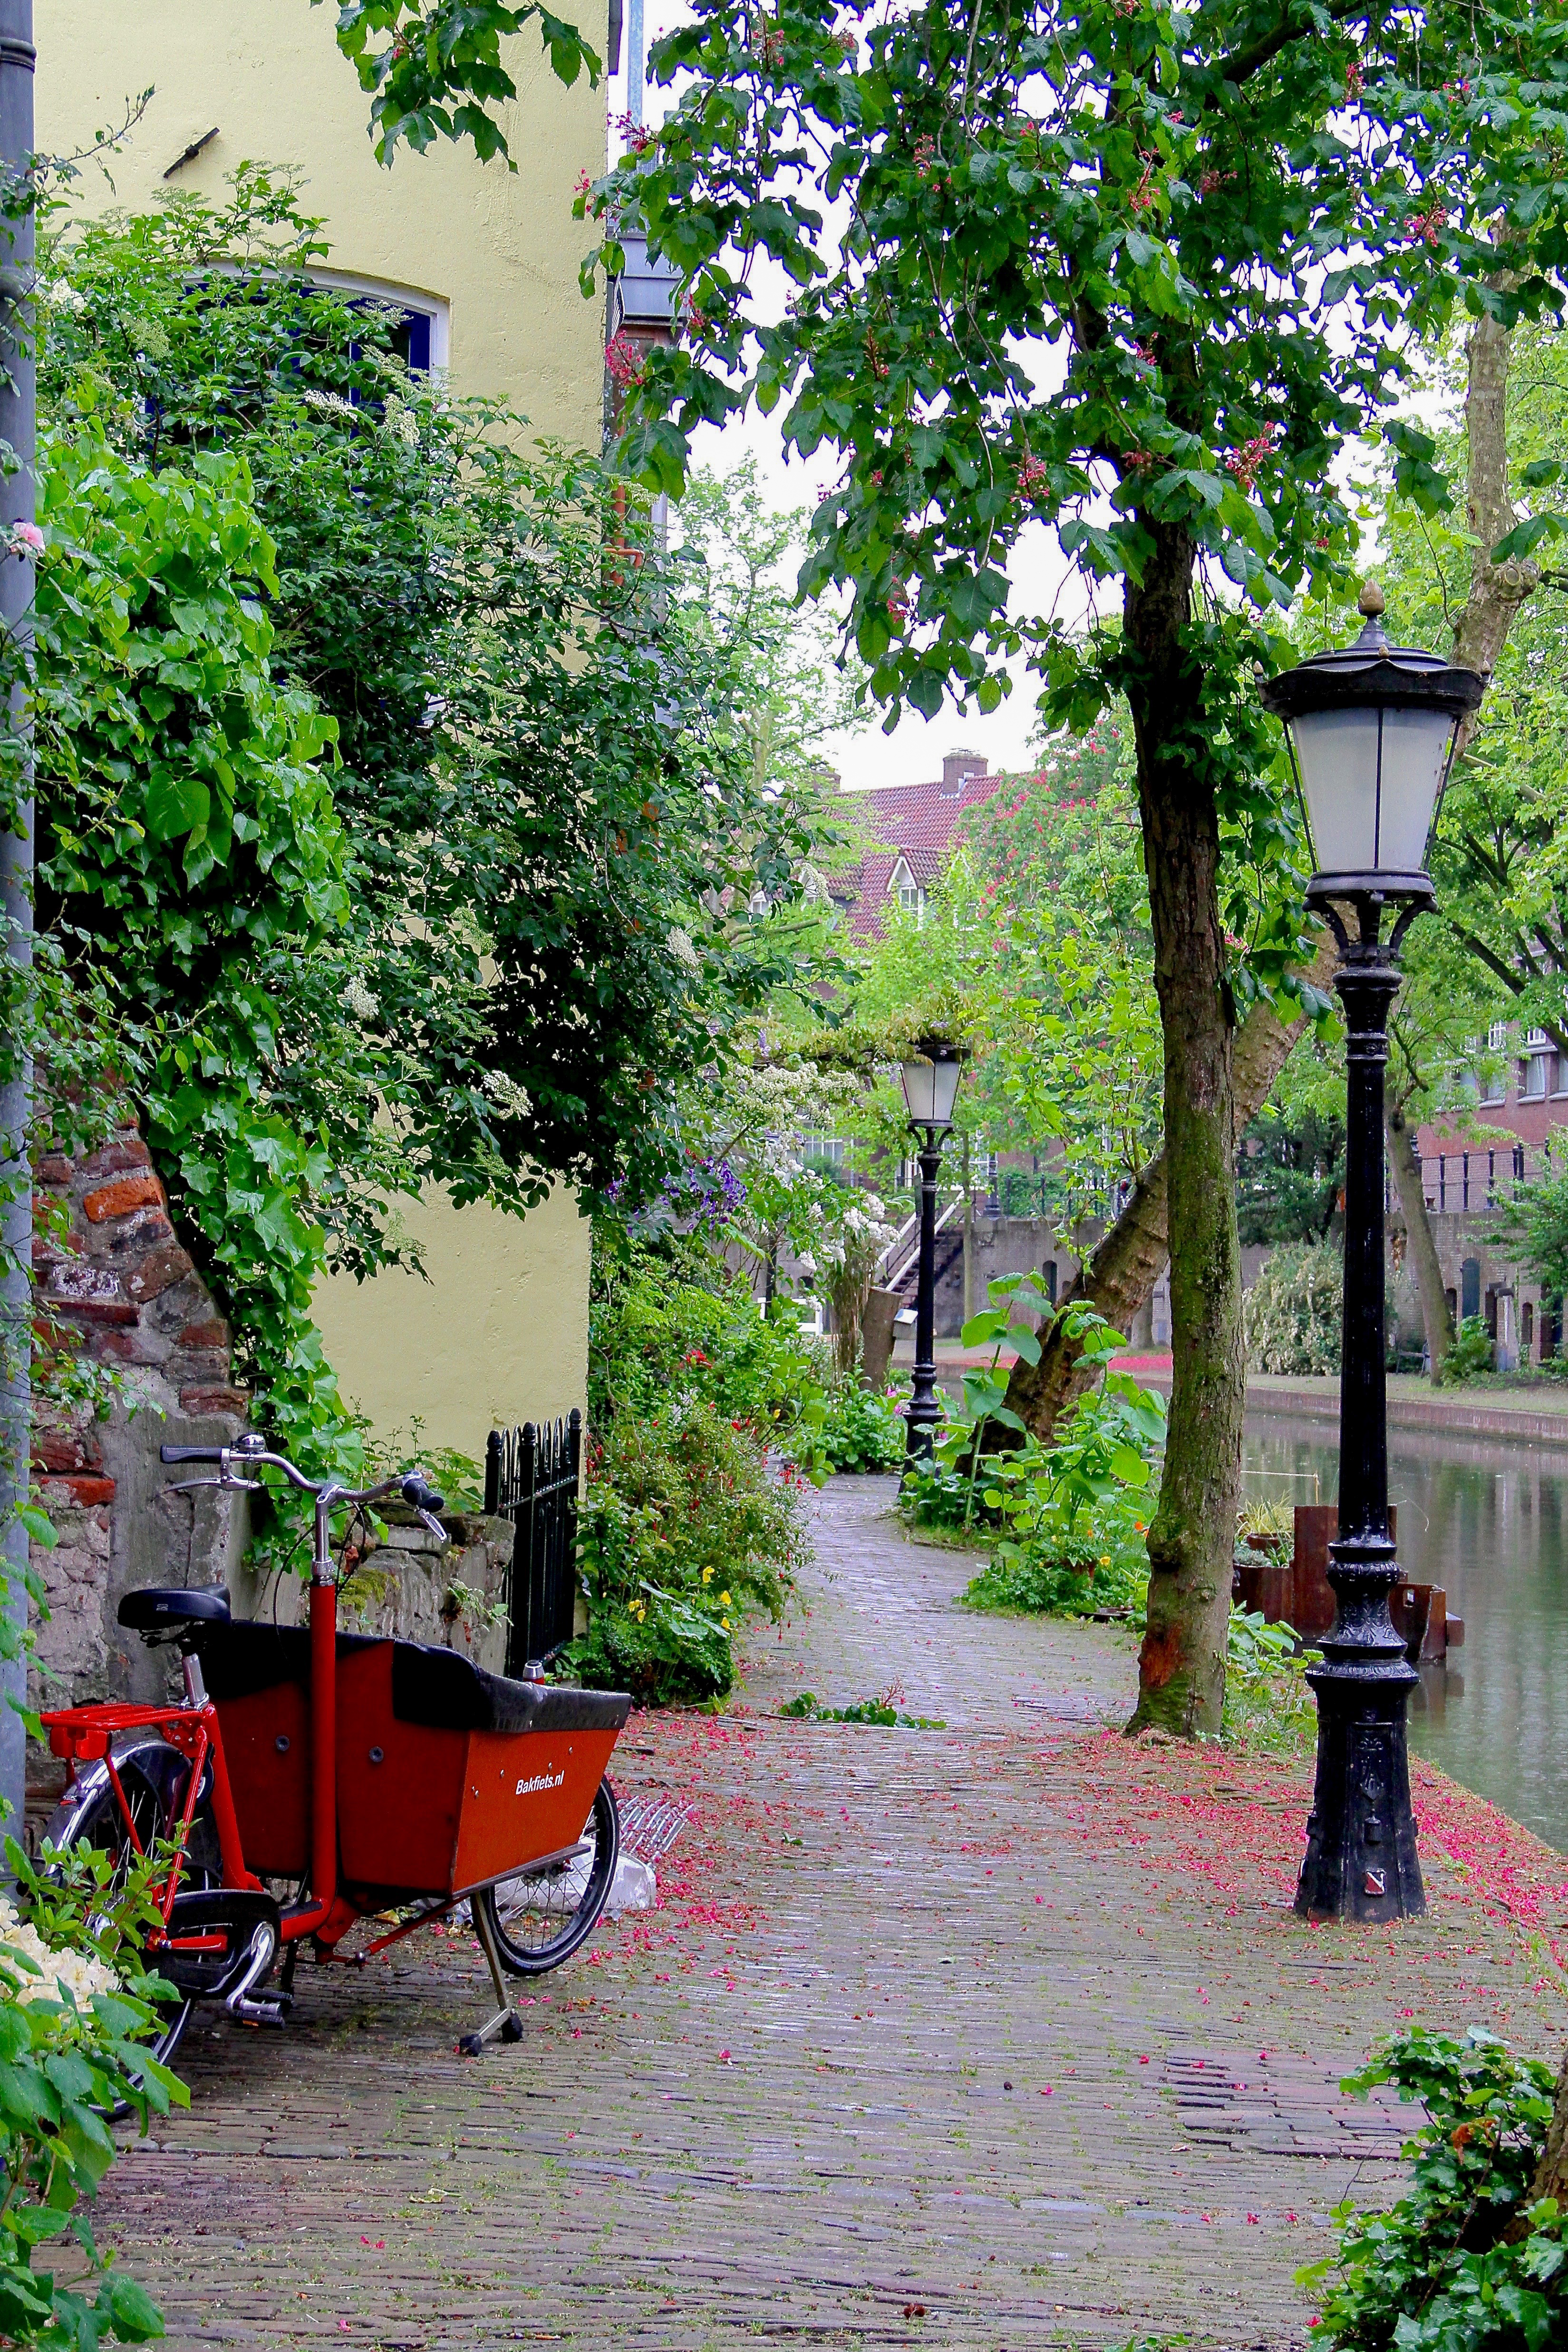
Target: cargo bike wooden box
{"points": [[312, 1779]]}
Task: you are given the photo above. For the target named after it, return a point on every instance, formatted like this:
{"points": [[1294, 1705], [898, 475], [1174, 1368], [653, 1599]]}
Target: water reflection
{"points": [[1486, 1521]]}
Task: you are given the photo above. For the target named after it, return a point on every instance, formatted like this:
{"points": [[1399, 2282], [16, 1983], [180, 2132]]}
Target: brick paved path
{"points": [[998, 2036]]}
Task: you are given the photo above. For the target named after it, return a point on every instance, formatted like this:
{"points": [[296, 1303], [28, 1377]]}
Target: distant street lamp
{"points": [[1372, 730], [930, 1073]]}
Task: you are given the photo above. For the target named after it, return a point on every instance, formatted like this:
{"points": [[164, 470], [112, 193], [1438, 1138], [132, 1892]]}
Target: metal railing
{"points": [[898, 1258], [532, 1478], [1464, 1180], [1016, 1192]]}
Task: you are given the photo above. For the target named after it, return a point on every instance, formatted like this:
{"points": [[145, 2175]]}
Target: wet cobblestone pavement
{"points": [[1000, 2036]]}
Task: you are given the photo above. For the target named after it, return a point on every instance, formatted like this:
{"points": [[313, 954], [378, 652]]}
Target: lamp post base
{"points": [[1361, 1860]]}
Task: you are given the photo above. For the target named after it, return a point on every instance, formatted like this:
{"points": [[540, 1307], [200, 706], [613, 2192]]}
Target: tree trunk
{"points": [[1181, 1669], [1552, 2172], [1121, 1272], [1406, 1164], [1497, 589], [847, 1294]]}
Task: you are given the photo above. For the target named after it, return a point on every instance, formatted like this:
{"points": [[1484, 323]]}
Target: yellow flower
{"points": [[724, 1601], [707, 1576], [723, 1624]]}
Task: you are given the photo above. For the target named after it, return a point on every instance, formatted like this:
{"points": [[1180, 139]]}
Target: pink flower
{"points": [[1244, 463], [26, 535], [624, 363]]}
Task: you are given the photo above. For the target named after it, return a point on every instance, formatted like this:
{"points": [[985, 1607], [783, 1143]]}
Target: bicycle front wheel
{"points": [[542, 1916]]}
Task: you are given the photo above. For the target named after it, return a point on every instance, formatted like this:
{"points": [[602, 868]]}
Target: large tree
{"points": [[1447, 586], [1138, 274]]}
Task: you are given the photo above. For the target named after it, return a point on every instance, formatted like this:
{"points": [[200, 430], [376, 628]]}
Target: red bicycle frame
{"points": [[86, 1735]]}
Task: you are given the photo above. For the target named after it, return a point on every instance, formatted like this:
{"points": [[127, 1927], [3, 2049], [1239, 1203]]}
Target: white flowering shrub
{"points": [[68, 1978], [849, 1254], [76, 2008]]}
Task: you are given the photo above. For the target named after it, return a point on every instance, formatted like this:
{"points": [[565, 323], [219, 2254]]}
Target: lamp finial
{"points": [[1370, 602]]}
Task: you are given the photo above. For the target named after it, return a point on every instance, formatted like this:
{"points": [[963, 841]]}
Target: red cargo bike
{"points": [[312, 1779]]}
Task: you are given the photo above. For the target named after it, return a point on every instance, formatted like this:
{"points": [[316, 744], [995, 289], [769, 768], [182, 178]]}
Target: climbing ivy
{"points": [[387, 781]]}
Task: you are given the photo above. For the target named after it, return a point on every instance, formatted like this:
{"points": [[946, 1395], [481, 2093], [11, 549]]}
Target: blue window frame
{"points": [[410, 332]]}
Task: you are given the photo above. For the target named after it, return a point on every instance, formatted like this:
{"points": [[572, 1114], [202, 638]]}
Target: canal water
{"points": [[1487, 1520]]}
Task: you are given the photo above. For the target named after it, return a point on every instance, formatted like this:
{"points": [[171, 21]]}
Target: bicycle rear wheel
{"points": [[154, 1777], [542, 1916]]}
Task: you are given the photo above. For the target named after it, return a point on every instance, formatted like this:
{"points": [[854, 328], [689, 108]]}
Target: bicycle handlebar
{"points": [[412, 1487]]}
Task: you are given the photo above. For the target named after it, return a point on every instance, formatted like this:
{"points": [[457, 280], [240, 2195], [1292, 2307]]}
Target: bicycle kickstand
{"points": [[505, 2025]]}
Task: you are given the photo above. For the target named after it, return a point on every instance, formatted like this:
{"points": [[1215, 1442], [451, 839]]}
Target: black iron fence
{"points": [[1480, 1177], [531, 1478]]}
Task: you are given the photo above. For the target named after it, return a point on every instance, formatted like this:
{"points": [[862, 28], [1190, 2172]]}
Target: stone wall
{"points": [[116, 1290], [449, 1595], [1495, 1288]]}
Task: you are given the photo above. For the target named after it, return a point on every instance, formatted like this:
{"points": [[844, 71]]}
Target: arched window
{"points": [[421, 329]]}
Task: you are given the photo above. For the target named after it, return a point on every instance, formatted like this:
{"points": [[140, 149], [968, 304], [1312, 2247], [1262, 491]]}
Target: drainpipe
{"points": [[17, 422]]}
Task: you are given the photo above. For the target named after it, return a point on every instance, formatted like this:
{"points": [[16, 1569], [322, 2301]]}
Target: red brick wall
{"points": [[116, 1288]]}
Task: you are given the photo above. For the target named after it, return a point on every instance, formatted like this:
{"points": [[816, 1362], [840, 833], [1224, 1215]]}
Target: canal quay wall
{"points": [[1413, 1404]]}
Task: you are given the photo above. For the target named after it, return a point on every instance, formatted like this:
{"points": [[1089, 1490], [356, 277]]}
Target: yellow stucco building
{"points": [[484, 260]]}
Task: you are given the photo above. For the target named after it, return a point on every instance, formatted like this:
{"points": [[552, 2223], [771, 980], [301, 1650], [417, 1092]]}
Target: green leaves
{"points": [[175, 805], [1527, 536], [440, 73], [75, 2008], [1226, 232], [1416, 476], [546, 873], [983, 1328], [1067, 1517], [1464, 2258]]}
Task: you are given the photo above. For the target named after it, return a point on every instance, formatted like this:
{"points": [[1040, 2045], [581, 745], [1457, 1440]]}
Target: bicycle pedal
{"points": [[267, 2012]]}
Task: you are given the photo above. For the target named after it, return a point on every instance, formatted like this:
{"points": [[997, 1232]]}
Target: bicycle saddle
{"points": [[155, 1605]]}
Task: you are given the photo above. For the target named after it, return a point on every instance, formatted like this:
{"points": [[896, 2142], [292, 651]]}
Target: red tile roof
{"points": [[913, 821]]}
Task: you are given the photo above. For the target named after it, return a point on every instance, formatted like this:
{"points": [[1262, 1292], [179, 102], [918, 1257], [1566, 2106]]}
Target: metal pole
{"points": [[633, 61], [925, 1412], [17, 426], [1361, 1860]]}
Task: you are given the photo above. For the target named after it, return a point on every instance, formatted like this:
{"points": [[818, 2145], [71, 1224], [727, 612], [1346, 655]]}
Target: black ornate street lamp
{"points": [[930, 1072], [1372, 731]]}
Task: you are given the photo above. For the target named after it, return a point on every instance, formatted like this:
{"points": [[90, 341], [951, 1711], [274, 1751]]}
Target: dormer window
{"points": [[910, 895]]}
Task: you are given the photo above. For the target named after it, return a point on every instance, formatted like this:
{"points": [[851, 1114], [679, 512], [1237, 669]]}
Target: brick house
{"points": [[1520, 1107], [907, 830]]}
